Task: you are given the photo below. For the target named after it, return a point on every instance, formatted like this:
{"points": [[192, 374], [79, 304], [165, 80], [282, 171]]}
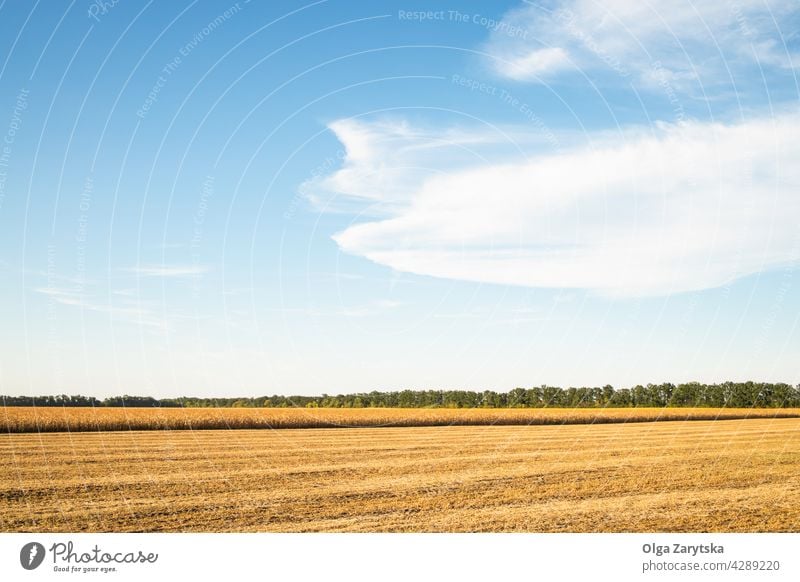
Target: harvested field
{"points": [[74, 419], [738, 475]]}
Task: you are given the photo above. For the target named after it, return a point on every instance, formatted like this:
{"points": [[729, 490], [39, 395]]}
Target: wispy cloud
{"points": [[685, 207], [168, 270], [692, 42], [385, 160], [129, 312], [369, 309], [365, 309]]}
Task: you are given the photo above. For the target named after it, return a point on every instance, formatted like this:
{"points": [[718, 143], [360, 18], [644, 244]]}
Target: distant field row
{"points": [[53, 419]]}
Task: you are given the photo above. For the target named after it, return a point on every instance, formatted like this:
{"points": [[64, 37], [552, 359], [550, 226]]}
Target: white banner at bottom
{"points": [[418, 557]]}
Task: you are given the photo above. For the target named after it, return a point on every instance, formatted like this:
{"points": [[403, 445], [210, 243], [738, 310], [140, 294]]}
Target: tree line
{"points": [[696, 394]]}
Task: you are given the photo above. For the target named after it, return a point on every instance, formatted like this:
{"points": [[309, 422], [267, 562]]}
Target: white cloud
{"points": [[694, 40], [533, 64], [385, 160], [684, 207]]}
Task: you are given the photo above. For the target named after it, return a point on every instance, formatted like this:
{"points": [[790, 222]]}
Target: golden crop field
{"points": [[736, 475], [55, 419]]}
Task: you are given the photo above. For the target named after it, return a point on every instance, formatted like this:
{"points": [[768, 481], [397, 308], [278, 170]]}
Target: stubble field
{"points": [[722, 476]]}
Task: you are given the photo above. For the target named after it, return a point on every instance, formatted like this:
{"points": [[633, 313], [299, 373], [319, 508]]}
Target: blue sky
{"points": [[217, 198]]}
